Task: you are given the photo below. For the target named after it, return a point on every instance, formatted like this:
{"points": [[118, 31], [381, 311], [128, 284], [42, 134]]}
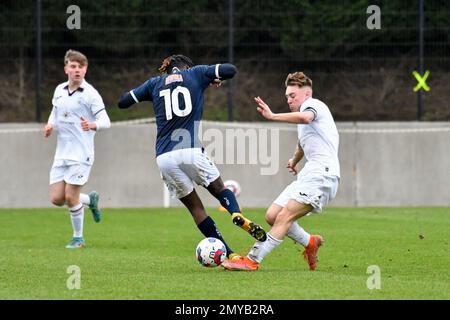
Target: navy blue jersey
{"points": [[178, 102]]}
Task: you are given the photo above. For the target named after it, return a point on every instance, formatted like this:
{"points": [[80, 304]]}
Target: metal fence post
{"points": [[230, 56], [38, 60], [421, 71]]}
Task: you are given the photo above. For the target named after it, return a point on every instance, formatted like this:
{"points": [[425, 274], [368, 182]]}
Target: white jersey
{"points": [[320, 139], [74, 143]]}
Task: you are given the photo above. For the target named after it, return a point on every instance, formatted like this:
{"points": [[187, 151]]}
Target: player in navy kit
{"points": [[178, 100]]}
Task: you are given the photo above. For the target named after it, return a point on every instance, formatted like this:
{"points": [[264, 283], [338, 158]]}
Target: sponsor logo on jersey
{"points": [[174, 78]]}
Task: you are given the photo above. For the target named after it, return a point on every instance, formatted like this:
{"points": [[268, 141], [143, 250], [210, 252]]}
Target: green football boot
{"points": [[76, 243], [93, 205]]}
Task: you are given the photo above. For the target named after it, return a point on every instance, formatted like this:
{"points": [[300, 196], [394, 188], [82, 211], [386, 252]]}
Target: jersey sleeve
{"points": [[96, 103], [200, 72], [314, 108], [222, 71], [143, 92], [52, 118], [208, 74]]}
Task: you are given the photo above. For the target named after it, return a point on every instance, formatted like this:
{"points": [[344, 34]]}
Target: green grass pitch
{"points": [[150, 254]]}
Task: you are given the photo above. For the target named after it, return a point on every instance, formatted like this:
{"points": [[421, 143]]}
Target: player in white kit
{"points": [[317, 182], [78, 112]]}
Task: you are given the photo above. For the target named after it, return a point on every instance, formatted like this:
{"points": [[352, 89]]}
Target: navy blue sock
{"points": [[209, 229], [228, 201]]}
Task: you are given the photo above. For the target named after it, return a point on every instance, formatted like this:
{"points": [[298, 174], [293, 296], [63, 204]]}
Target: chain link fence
{"points": [[362, 73]]}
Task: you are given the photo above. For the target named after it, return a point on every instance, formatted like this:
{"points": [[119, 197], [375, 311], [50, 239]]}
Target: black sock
{"points": [[228, 201], [209, 229]]}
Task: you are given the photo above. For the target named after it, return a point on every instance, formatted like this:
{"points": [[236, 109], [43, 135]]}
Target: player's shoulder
{"points": [[154, 81], [200, 68], [61, 86], [89, 88], [314, 103]]}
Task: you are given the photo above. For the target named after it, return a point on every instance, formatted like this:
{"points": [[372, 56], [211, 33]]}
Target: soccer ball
{"points": [[233, 186], [211, 252]]}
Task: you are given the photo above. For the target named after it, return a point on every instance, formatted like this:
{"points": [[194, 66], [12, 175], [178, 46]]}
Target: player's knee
{"points": [[57, 200], [285, 216], [271, 214], [270, 217], [216, 187], [71, 200]]}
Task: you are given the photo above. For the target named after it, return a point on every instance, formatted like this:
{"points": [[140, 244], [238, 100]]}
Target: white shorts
{"points": [[71, 172], [311, 187], [180, 168]]}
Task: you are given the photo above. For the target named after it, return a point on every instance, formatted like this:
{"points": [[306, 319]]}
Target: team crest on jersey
{"points": [[81, 101], [66, 114], [174, 78]]}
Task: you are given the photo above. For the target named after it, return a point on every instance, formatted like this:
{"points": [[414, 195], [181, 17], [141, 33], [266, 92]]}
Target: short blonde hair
{"points": [[298, 79], [73, 55]]}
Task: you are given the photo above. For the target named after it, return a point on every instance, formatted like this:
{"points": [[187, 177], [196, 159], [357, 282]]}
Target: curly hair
{"points": [[299, 79], [175, 61]]}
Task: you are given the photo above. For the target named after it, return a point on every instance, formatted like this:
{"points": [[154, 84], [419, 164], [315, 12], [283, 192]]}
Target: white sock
{"points": [[297, 234], [262, 249], [84, 199], [77, 217]]}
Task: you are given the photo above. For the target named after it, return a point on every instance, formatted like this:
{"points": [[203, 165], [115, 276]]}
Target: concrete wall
{"points": [[382, 164]]}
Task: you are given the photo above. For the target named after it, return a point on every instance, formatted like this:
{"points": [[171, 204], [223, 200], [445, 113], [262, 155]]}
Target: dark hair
{"points": [[175, 61]]}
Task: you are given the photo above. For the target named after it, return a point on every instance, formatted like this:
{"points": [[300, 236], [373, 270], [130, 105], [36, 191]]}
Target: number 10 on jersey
{"points": [[172, 104]]}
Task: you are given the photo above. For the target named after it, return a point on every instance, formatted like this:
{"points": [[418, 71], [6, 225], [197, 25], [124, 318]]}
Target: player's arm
{"points": [[298, 155], [221, 72], [141, 93], [48, 129], [101, 117], [304, 117], [101, 122]]}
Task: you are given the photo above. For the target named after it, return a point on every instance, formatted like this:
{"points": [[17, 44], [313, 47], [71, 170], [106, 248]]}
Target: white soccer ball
{"points": [[211, 252], [234, 186]]}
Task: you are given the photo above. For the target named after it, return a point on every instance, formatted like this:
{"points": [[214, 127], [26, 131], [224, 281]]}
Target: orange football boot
{"points": [[240, 264], [310, 253]]}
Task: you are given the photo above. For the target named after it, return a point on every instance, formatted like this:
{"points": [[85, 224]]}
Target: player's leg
{"points": [[76, 210], [57, 193], [291, 212], [228, 201], [204, 223], [295, 232], [285, 222], [272, 212], [91, 200], [57, 184], [77, 175], [177, 167], [225, 196]]}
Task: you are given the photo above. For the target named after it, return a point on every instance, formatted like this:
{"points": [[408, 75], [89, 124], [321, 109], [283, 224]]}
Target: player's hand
{"points": [[292, 167], [216, 83], [85, 124], [263, 108], [48, 130]]}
